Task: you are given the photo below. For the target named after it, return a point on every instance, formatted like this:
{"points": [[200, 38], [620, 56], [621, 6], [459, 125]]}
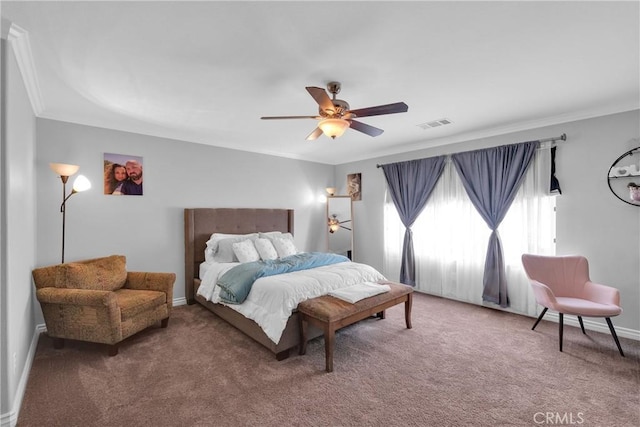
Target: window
{"points": [[450, 238]]}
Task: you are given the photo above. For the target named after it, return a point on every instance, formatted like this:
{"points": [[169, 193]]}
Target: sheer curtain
{"points": [[492, 178], [410, 184], [450, 238]]}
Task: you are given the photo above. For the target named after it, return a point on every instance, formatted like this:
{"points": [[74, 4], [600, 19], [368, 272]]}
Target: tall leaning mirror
{"points": [[340, 226]]}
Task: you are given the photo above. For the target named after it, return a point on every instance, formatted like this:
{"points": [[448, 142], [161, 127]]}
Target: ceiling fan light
{"points": [[333, 128], [334, 224]]}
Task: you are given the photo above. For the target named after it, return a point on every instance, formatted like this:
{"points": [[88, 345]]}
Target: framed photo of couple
{"points": [[122, 175]]}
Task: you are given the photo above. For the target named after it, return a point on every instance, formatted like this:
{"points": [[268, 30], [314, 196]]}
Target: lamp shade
{"points": [[64, 169], [333, 127], [81, 183], [331, 191]]}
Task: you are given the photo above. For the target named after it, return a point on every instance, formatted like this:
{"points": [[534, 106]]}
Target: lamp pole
{"points": [[81, 183], [63, 209]]}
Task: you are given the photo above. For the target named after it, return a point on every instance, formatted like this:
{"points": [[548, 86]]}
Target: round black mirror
{"points": [[624, 177]]}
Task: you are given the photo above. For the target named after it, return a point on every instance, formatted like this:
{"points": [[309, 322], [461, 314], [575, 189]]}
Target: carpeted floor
{"points": [[460, 365]]}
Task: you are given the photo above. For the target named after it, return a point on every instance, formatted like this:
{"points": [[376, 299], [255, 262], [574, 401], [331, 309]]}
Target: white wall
{"points": [[177, 175], [18, 235], [590, 219]]}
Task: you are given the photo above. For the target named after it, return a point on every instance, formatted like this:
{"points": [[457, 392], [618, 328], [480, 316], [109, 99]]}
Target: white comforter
{"points": [[272, 299]]}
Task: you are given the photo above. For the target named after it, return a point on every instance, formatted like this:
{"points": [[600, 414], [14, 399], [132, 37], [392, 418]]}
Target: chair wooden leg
{"points": [[58, 343], [113, 350], [615, 336], [581, 325], [539, 318], [164, 323], [560, 318]]}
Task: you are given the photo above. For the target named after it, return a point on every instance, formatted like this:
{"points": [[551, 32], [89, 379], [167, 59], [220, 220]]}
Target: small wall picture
{"points": [[122, 175], [354, 186]]}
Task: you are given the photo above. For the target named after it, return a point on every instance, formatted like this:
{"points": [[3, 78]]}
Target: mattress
{"points": [[272, 299]]}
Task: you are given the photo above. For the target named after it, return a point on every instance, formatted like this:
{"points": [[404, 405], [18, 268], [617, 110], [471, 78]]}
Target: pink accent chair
{"points": [[562, 284]]}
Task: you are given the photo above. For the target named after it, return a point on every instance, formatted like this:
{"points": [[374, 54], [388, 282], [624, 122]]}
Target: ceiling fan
{"points": [[335, 116]]}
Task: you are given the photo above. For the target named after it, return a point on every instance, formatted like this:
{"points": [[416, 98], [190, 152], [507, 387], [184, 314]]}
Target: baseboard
{"points": [[570, 320], [179, 301], [10, 419], [592, 325]]}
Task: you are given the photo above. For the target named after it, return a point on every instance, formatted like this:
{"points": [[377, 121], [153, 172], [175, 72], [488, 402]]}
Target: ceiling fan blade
{"points": [[365, 128], [289, 117], [314, 135], [398, 107], [321, 98]]}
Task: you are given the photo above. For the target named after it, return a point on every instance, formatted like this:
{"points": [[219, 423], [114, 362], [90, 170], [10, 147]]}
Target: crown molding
{"points": [[19, 39], [504, 130]]}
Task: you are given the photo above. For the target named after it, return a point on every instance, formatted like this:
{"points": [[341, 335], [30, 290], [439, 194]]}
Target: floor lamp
{"points": [[81, 183]]}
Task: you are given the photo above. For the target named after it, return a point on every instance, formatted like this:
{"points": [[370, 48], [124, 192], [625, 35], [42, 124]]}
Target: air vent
{"points": [[435, 124]]}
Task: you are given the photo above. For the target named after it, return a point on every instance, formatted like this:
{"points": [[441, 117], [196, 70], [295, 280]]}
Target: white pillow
{"points": [[272, 235], [245, 251], [215, 238], [224, 251], [284, 246], [265, 249], [212, 245], [269, 234]]}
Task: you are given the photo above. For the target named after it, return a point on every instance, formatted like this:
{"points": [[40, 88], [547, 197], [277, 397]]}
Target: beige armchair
{"points": [[98, 300]]}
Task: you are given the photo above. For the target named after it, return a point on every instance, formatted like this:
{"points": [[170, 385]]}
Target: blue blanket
{"points": [[236, 283]]}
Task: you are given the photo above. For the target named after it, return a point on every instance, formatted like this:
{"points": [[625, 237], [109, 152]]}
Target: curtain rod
{"points": [[562, 137]]}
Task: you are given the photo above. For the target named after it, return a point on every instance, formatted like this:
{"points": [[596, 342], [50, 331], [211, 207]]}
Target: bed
{"points": [[201, 223]]}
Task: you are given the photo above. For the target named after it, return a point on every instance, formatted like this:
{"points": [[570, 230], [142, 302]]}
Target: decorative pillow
{"points": [[269, 234], [212, 245], [245, 251], [287, 236], [272, 235], [213, 242], [284, 246], [225, 253], [102, 274], [265, 249]]}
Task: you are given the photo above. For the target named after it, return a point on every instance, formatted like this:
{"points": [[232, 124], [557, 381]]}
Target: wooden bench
{"points": [[330, 314]]}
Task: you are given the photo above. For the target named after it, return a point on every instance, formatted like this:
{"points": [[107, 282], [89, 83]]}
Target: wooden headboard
{"points": [[200, 223]]}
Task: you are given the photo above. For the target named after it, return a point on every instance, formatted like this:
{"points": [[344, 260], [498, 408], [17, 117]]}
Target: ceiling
{"points": [[206, 72]]}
